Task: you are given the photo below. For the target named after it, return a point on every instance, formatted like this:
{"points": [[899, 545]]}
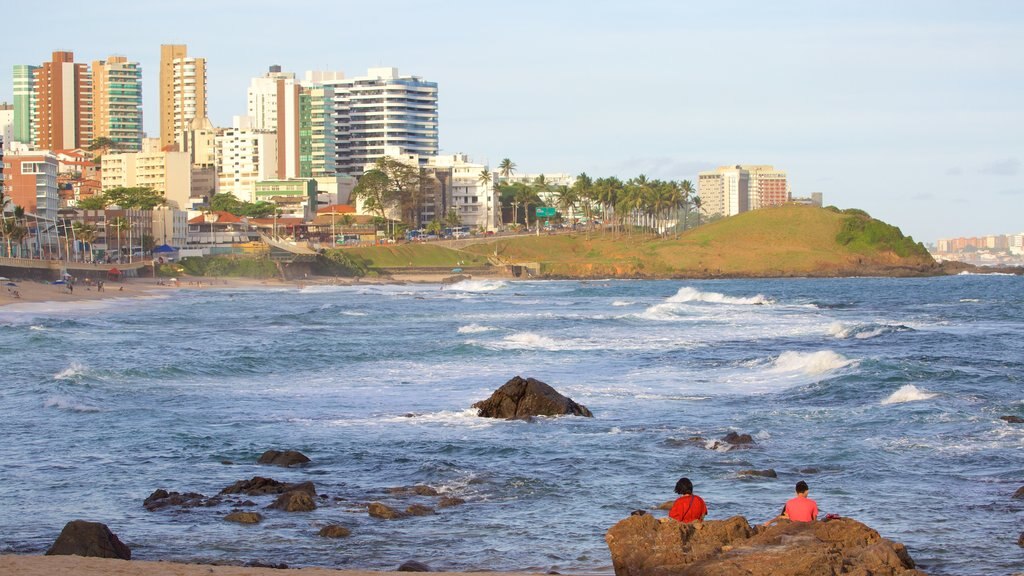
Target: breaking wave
{"points": [[908, 393], [810, 363], [73, 370], [865, 331], [688, 294], [475, 329], [478, 285], [63, 403]]}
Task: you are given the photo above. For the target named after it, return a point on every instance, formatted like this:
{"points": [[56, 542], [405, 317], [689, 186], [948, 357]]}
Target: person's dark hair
{"points": [[801, 486], [684, 486]]}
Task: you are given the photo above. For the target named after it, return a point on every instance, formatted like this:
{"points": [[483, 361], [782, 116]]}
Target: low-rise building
{"points": [[245, 156], [169, 173], [295, 197], [30, 181]]}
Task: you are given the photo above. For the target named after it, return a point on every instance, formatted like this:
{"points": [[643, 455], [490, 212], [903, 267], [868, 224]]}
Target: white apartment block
{"points": [[731, 190], [472, 197], [245, 156], [167, 172], [381, 109], [273, 105]]}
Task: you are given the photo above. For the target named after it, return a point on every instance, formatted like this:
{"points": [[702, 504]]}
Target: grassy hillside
{"points": [[414, 255], [784, 241]]}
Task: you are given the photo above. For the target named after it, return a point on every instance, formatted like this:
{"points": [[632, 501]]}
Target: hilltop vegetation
{"points": [[788, 240]]}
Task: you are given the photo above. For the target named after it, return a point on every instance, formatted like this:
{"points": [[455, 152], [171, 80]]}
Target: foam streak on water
{"points": [[897, 385]]}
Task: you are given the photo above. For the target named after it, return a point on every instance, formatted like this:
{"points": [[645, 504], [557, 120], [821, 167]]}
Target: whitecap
{"points": [[478, 285], [908, 393], [352, 313], [35, 327], [474, 329], [688, 294], [532, 341], [810, 363], [622, 303], [64, 403], [73, 370]]}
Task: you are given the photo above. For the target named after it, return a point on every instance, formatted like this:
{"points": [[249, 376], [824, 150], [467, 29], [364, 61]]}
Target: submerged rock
{"points": [[419, 489], [244, 517], [82, 538], [295, 501], [419, 510], [522, 398], [161, 498], [378, 510], [449, 501], [1012, 419], [413, 566], [335, 531], [285, 459], [1019, 494], [738, 439], [259, 486], [769, 473], [642, 545]]}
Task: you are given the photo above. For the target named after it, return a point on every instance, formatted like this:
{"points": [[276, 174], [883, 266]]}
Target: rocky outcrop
{"points": [[161, 498], [419, 490], [1019, 494], [643, 545], [259, 486], [244, 517], [419, 510], [769, 473], [287, 458], [521, 398], [378, 510], [295, 501], [449, 501], [1012, 419], [81, 538], [335, 531]]}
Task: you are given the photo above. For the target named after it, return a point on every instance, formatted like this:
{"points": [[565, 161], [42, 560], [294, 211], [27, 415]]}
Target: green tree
{"points": [[687, 194], [375, 192], [86, 234], [567, 197], [507, 168], [94, 202], [226, 202], [451, 219], [696, 206], [136, 197], [434, 227]]}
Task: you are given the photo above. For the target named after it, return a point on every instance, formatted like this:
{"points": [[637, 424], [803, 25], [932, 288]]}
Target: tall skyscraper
{"points": [[182, 93], [62, 111], [382, 109], [117, 102], [24, 101], [274, 105]]}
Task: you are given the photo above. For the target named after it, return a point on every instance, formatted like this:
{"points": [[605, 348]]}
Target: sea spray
{"points": [[908, 393]]}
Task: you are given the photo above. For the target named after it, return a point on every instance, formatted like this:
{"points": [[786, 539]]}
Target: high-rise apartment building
{"points": [[245, 156], [6, 124], [318, 100], [382, 109], [274, 105], [117, 102], [24, 101], [730, 190], [62, 107], [182, 92]]}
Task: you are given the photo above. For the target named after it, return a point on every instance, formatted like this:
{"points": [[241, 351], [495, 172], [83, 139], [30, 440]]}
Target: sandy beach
{"points": [[11, 565]]}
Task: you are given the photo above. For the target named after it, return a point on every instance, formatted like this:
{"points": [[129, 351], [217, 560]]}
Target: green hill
{"points": [[788, 240]]}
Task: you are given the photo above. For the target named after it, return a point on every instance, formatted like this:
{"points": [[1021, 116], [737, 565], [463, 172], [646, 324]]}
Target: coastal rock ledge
{"points": [[82, 538], [521, 398], [643, 545]]}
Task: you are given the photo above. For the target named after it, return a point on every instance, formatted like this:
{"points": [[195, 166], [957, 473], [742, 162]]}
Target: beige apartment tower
{"points": [[182, 93]]}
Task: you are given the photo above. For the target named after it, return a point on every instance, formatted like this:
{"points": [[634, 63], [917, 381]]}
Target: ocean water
{"points": [[888, 390]]}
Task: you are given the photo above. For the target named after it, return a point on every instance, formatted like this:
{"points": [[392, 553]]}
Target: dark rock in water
{"points": [[161, 498], [738, 439], [258, 486], [769, 473], [413, 566], [335, 531], [258, 564], [521, 398], [286, 458], [809, 470], [296, 501], [419, 510], [244, 517], [227, 462], [1020, 541], [1012, 419], [644, 546], [449, 501], [81, 538], [1019, 494], [378, 510], [682, 442], [419, 489]]}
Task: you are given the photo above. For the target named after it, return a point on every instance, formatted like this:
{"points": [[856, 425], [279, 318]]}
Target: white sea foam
{"points": [[352, 313], [810, 363], [73, 370], [475, 329], [908, 393], [688, 294], [863, 331], [478, 285], [622, 303], [965, 300], [532, 341], [69, 404], [34, 327]]}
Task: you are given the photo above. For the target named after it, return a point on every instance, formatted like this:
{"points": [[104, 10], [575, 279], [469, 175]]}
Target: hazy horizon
{"points": [[906, 110]]}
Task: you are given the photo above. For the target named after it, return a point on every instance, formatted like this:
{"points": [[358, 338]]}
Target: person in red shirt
{"points": [[801, 508], [688, 507]]}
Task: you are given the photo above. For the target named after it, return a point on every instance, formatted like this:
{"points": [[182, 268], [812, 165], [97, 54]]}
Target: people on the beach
{"points": [[688, 507], [800, 508]]}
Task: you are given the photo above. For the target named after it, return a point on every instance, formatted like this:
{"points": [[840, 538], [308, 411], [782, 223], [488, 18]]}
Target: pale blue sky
{"points": [[912, 111]]}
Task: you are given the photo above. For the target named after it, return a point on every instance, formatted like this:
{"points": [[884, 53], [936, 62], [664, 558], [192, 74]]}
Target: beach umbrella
{"points": [[4, 278], [11, 284], [58, 282]]}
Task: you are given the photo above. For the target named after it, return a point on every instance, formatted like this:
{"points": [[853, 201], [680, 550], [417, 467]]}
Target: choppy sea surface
{"points": [[883, 394]]}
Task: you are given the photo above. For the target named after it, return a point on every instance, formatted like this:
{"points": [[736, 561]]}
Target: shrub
{"points": [[229, 266], [340, 263], [862, 234]]}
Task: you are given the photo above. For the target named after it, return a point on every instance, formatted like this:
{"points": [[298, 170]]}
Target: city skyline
{"points": [[905, 111]]}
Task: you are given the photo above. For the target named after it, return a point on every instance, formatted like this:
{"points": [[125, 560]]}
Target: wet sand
{"points": [[11, 565]]}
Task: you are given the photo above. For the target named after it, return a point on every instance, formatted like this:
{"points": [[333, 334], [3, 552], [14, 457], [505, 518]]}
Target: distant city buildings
{"points": [[117, 103], [182, 93], [731, 190], [999, 249], [245, 156], [31, 182], [168, 172], [61, 104]]}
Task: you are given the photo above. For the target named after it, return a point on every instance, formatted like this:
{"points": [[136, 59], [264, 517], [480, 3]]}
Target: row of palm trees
{"points": [[17, 236], [640, 203]]}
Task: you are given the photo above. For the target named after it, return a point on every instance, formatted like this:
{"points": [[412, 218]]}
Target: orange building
{"points": [[62, 111], [182, 94], [31, 182]]}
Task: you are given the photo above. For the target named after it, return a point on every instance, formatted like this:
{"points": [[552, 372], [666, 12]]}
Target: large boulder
{"points": [[286, 458], [642, 545], [161, 498], [1019, 494], [81, 538], [378, 510], [335, 531], [523, 398], [259, 486], [244, 517], [413, 566], [296, 501], [1012, 419]]}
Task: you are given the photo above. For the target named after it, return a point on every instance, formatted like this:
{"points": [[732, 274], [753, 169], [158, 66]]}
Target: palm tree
{"points": [[4, 201], [86, 234], [484, 179], [686, 187], [122, 224], [506, 168], [696, 204], [567, 199]]}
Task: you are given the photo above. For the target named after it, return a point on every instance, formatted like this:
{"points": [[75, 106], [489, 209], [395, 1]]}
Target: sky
{"points": [[910, 110]]}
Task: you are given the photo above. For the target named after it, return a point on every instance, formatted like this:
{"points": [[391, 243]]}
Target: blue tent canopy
{"points": [[163, 249]]}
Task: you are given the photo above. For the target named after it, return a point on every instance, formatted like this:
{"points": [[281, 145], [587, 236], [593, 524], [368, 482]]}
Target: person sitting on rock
{"points": [[688, 507], [801, 508]]}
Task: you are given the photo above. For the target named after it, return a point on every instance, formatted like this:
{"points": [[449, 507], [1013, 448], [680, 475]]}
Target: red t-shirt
{"points": [[688, 508], [802, 509]]}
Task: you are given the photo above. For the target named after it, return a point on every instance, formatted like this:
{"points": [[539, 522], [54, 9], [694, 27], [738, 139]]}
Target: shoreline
{"points": [[27, 565]]}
